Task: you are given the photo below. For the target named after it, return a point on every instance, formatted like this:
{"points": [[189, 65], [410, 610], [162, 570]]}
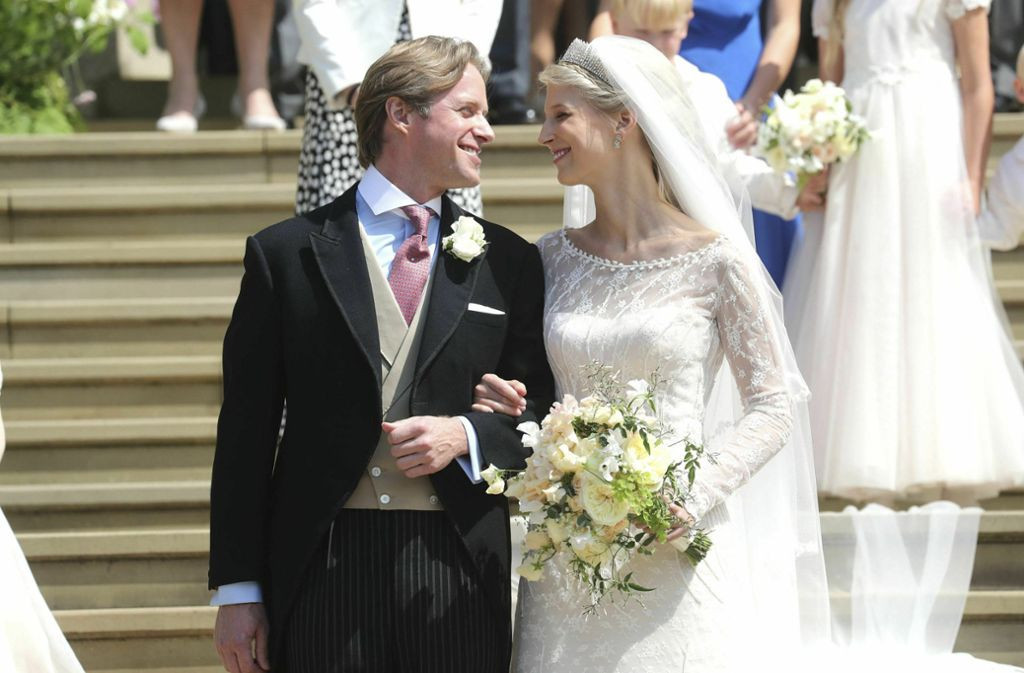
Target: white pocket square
{"points": [[480, 308]]}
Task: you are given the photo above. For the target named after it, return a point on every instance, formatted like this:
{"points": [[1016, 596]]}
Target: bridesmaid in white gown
{"points": [[30, 640], [916, 389]]}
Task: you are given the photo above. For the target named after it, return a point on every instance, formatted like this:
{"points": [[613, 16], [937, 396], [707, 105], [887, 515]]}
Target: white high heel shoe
{"points": [[183, 122], [256, 122]]}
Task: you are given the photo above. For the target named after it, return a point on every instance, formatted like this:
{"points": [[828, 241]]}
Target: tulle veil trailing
{"points": [[898, 580]]}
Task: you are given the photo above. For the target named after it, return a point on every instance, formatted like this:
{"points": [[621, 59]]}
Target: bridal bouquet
{"points": [[806, 131], [599, 484]]}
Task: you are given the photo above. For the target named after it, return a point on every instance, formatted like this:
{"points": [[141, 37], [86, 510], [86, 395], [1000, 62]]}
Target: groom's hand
{"points": [[241, 637], [424, 445]]}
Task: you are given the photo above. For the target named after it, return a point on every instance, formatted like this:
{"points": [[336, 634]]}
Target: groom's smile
{"points": [[450, 139]]}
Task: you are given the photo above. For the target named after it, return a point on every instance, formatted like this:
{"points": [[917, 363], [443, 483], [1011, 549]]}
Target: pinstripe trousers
{"points": [[394, 592]]}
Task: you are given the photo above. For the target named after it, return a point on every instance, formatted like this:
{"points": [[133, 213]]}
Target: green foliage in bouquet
{"points": [[42, 39]]}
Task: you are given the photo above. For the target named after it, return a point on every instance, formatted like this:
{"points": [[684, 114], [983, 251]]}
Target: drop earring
{"points": [[617, 141]]}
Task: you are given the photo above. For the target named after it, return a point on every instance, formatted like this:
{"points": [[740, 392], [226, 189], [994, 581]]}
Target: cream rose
{"points": [[530, 572], [536, 539], [600, 503]]}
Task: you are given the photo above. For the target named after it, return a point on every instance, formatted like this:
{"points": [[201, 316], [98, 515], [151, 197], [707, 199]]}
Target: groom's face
{"points": [[450, 139]]}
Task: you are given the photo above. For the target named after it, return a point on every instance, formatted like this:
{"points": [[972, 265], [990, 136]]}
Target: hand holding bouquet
{"points": [[599, 484], [807, 131]]}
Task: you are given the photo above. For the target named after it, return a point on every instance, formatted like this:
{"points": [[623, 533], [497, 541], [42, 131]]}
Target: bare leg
{"points": [[543, 22], [253, 21], [180, 21]]}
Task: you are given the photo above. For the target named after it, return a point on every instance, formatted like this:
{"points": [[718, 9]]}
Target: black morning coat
{"points": [[304, 329]]}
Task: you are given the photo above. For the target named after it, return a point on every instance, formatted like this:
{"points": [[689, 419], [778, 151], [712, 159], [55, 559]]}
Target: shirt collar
{"points": [[382, 196]]}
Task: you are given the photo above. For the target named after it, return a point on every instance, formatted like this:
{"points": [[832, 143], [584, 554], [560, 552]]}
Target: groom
{"points": [[365, 541]]}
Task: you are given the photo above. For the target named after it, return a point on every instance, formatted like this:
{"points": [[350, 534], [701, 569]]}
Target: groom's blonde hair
{"points": [[419, 72]]}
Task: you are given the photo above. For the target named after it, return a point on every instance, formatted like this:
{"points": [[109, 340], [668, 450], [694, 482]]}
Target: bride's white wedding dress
{"points": [[679, 316], [30, 640]]}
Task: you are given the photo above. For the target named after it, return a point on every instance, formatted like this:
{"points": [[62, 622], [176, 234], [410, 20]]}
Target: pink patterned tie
{"points": [[411, 267]]}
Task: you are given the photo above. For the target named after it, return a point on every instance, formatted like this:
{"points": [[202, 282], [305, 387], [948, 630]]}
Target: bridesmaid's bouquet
{"points": [[807, 131], [598, 486]]}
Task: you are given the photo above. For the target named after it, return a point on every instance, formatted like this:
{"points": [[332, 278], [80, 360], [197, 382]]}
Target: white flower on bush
{"points": [[466, 241]]}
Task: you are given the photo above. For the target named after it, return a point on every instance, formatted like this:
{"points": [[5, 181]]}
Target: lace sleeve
{"points": [[956, 9], [821, 16], [754, 357]]}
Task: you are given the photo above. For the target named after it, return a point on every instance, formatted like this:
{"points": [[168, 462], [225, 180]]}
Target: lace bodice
{"points": [[679, 315]]}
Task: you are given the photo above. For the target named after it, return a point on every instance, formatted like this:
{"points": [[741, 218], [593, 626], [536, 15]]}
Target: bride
{"points": [[655, 270], [662, 275]]}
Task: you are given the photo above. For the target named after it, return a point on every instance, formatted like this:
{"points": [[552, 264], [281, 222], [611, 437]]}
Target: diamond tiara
{"points": [[582, 55]]}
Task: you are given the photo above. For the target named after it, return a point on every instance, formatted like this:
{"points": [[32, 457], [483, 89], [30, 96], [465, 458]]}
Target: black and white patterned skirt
{"points": [[329, 161]]}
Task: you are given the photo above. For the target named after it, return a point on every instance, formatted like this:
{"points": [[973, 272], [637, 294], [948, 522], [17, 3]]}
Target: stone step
{"points": [[120, 569], [110, 387], [1009, 265], [153, 568], [104, 506], [62, 270], [997, 562], [212, 210], [1010, 499], [111, 432], [123, 640], [139, 156], [221, 157], [993, 626], [25, 465], [130, 327], [108, 451], [130, 639]]}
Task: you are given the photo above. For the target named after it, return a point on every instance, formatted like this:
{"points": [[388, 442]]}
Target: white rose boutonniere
{"points": [[467, 240]]}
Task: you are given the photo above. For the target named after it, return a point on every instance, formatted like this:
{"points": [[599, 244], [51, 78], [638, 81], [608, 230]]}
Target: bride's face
{"points": [[579, 136]]}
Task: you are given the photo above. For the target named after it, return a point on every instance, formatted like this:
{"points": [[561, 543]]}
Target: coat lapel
{"points": [[452, 286], [339, 254]]}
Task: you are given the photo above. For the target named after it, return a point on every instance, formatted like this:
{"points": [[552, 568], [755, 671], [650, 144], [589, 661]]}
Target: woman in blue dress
{"points": [[725, 39]]}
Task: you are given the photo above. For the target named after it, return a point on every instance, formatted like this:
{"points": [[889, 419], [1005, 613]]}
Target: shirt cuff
{"points": [[470, 464], [237, 592]]}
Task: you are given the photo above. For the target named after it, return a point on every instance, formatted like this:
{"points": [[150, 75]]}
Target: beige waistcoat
{"points": [[383, 485]]}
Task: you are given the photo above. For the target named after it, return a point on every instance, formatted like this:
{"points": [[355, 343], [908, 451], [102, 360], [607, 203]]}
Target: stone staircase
{"points": [[120, 256]]}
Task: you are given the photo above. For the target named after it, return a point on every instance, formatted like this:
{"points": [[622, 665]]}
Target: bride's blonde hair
{"points": [[604, 98]]}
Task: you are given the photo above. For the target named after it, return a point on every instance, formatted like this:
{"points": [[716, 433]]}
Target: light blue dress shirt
{"points": [[379, 207]]}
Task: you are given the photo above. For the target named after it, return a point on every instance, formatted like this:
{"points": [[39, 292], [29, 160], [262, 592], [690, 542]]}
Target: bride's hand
{"points": [[495, 394], [685, 519]]}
